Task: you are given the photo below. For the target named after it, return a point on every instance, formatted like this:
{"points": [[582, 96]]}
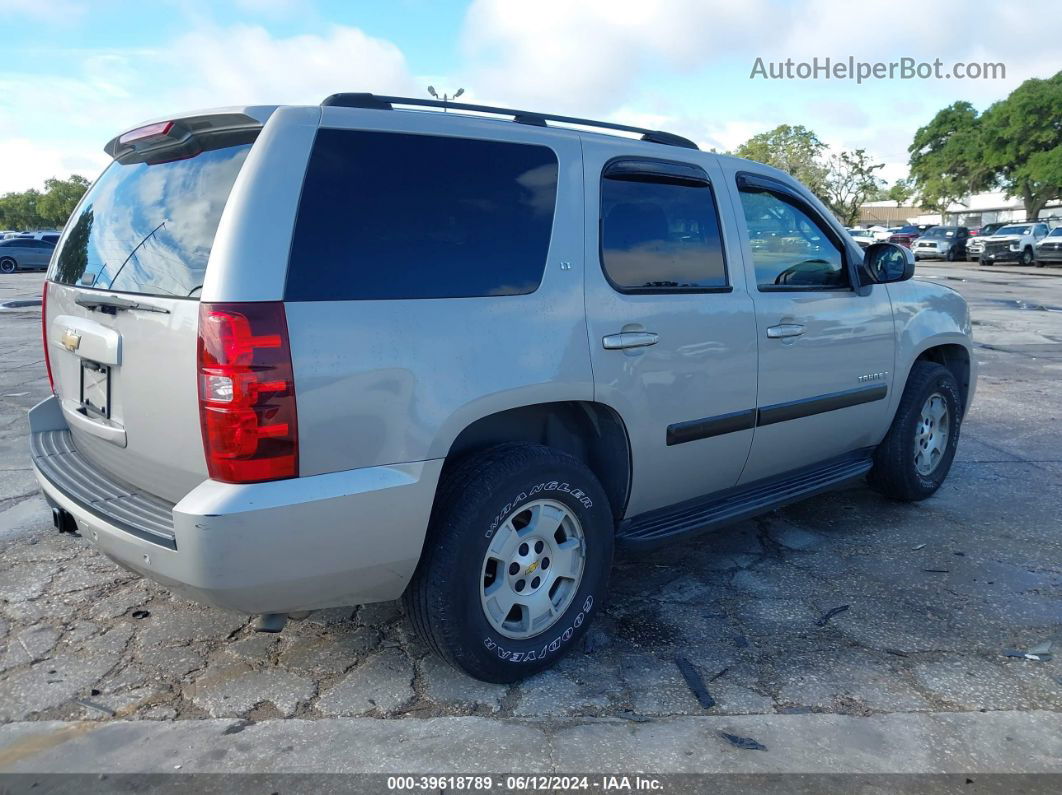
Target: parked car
{"points": [[907, 235], [976, 244], [22, 253], [864, 237], [403, 363], [942, 242], [1049, 249], [8, 233], [47, 235], [1013, 243]]}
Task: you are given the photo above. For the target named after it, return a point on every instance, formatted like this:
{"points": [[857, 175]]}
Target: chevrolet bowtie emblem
{"points": [[531, 568], [70, 340]]}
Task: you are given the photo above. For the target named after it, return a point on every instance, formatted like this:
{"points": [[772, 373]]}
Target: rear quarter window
{"points": [[394, 215]]}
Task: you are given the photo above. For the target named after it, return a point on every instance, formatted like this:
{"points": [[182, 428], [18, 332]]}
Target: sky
{"points": [[77, 72]]}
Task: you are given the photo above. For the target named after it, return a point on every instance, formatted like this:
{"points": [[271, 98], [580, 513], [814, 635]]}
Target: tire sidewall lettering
{"points": [[547, 649], [579, 495]]}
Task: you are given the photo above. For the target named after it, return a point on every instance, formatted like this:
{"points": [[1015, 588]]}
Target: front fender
{"points": [[925, 316]]}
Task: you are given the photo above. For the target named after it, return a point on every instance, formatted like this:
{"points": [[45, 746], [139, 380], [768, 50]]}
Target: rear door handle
{"points": [[629, 339], [785, 330]]}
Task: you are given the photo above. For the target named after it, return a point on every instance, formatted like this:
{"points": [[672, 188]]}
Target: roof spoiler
{"points": [[176, 130]]}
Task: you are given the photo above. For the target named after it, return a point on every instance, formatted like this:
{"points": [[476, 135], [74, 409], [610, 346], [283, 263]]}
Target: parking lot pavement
{"points": [[845, 604]]}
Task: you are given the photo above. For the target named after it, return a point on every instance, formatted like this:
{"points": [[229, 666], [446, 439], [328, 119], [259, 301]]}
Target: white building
{"points": [[977, 210], [986, 208]]}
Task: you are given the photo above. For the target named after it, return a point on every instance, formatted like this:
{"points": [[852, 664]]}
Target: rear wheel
{"points": [[515, 564], [8, 265], [916, 454]]}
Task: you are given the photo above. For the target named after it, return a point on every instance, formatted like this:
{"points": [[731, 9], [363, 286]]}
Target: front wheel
{"points": [[515, 564], [8, 265], [915, 456], [1027, 257]]}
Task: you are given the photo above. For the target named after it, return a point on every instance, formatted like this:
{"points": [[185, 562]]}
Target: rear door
{"points": [[672, 332], [122, 308]]}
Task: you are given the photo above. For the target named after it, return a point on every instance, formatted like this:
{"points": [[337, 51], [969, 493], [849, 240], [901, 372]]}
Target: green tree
{"points": [[19, 210], [795, 150], [948, 157], [901, 192], [850, 183], [59, 199], [1022, 137]]}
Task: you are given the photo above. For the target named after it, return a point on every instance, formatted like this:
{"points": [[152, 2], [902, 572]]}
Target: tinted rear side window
{"points": [[390, 215], [660, 236], [147, 226]]}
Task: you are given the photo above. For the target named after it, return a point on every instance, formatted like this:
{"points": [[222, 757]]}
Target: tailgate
{"points": [[127, 385], [121, 312]]}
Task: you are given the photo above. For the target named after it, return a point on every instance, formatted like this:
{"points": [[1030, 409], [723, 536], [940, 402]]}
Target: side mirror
{"points": [[888, 262]]}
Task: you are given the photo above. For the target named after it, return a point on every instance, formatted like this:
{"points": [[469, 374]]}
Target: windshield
{"points": [[1013, 230], [1056, 232], [147, 226], [940, 231]]}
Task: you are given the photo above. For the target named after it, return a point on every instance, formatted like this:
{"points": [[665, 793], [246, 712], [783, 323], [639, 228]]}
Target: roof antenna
{"points": [[444, 97]]}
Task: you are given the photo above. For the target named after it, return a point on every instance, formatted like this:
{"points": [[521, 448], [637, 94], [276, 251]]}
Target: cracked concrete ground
{"points": [[933, 592]]}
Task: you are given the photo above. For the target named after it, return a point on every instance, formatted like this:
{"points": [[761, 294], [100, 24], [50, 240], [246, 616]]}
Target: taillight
{"points": [[44, 335], [247, 393]]}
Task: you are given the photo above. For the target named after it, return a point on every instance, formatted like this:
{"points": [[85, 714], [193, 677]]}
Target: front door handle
{"points": [[629, 339], [785, 330]]}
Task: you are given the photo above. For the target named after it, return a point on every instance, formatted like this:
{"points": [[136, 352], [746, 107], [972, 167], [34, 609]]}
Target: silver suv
{"points": [[305, 357]]}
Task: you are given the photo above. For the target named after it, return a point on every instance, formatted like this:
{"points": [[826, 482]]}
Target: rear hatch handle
{"points": [[114, 303]]}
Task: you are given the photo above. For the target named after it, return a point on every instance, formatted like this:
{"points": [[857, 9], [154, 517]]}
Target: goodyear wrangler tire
{"points": [[515, 564], [915, 456]]}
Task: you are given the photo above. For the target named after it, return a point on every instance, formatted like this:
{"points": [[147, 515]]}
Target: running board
{"points": [[741, 502]]}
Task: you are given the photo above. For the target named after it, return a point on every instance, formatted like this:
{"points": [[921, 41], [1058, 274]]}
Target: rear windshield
{"points": [[147, 226]]}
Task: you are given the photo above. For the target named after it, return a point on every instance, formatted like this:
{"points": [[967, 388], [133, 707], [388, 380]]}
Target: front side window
{"points": [[393, 215], [660, 235], [789, 249]]}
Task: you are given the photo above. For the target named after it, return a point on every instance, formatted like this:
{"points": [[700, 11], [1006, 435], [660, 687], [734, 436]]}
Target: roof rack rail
{"points": [[375, 102]]}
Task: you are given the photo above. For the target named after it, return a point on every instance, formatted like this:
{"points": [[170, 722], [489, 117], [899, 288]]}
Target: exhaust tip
{"points": [[63, 521]]}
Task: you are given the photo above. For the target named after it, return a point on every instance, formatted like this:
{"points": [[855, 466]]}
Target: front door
{"points": [[826, 347], [671, 326]]}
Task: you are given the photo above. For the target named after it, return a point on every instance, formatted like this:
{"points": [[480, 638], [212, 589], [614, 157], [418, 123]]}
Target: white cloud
{"points": [[601, 56], [50, 122], [62, 12], [623, 60], [245, 64], [28, 163], [588, 55]]}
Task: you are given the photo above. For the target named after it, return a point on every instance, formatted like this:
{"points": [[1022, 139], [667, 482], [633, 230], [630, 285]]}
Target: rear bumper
{"points": [[342, 538]]}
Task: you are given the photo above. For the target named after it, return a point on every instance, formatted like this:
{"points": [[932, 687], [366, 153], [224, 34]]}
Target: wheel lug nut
{"points": [[514, 568], [545, 563], [538, 547], [523, 549], [520, 585], [536, 582]]}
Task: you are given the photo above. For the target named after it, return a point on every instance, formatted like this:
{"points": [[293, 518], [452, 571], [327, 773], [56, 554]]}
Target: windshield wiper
{"points": [[114, 303]]}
